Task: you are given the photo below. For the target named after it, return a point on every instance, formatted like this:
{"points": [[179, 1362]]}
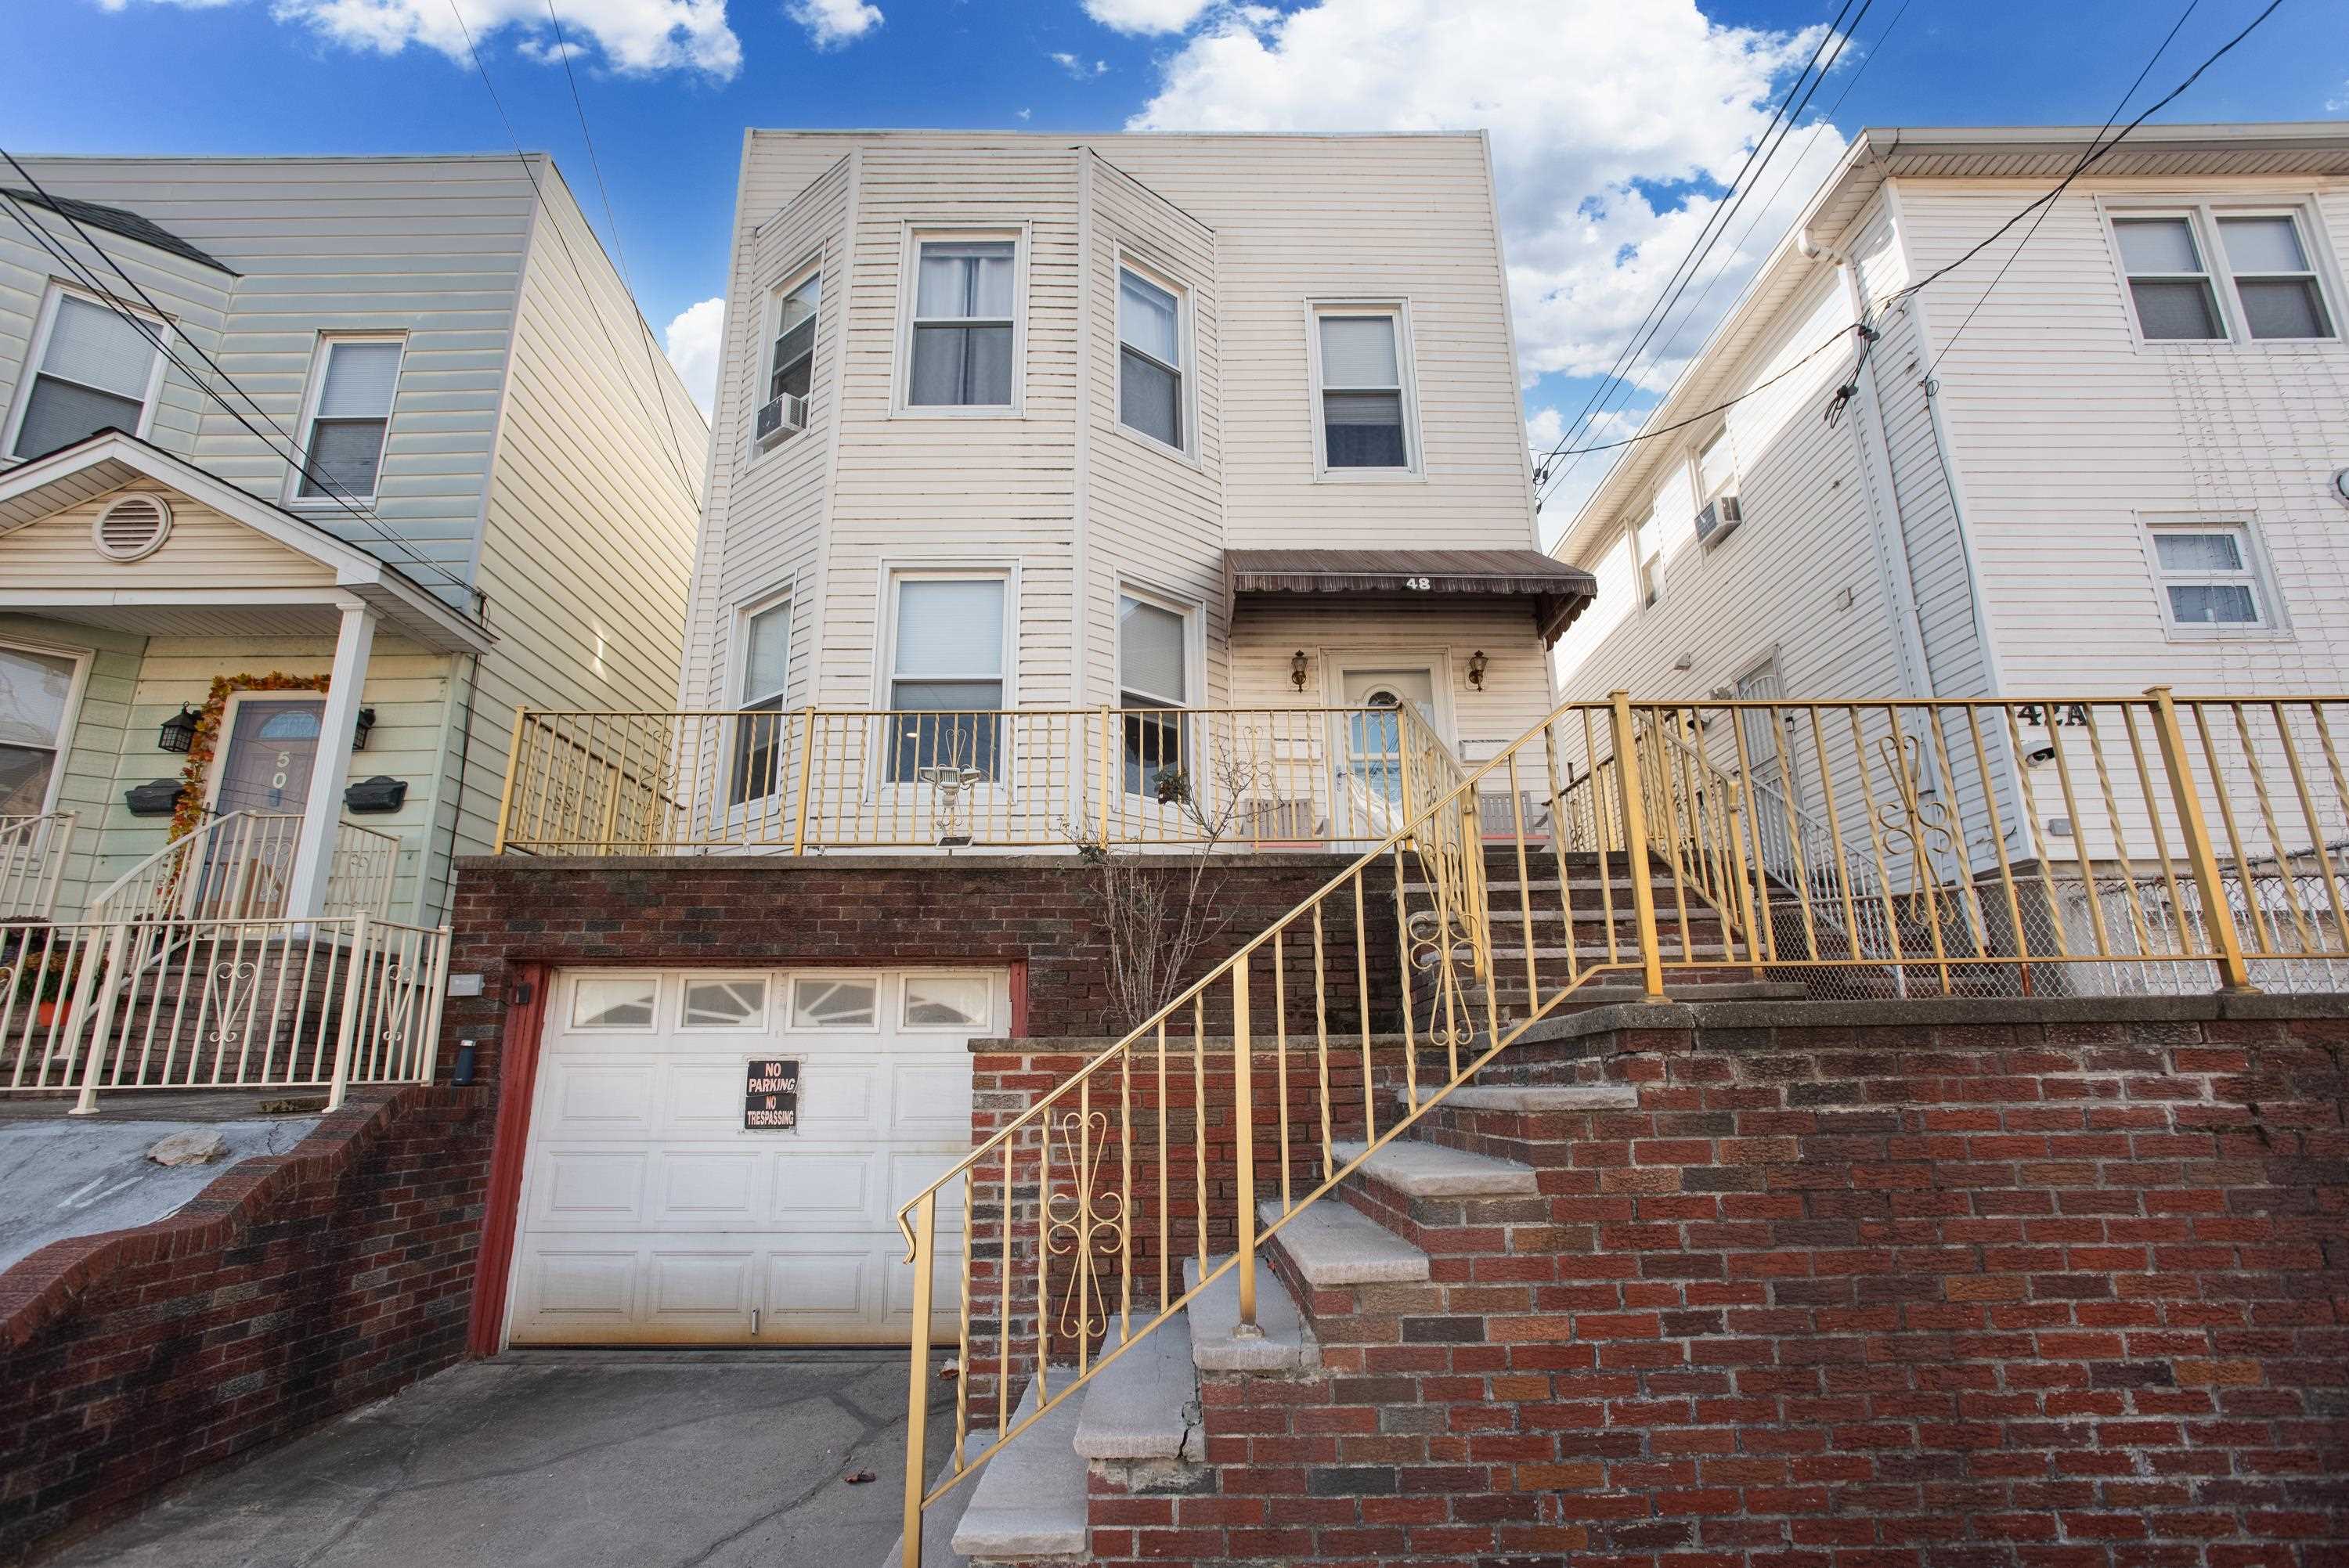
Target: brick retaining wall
{"points": [[1027, 910], [296, 1286]]}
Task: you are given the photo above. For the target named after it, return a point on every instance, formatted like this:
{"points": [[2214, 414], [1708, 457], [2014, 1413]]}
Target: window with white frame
{"points": [[964, 327], [2208, 576], [1717, 507], [1153, 656], [1647, 558], [764, 640], [945, 677], [352, 383], [1150, 390], [36, 693], [2276, 286], [791, 362], [97, 371], [1365, 423], [2176, 261]]}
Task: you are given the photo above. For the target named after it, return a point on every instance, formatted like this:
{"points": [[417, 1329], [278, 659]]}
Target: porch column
{"points": [[322, 819]]}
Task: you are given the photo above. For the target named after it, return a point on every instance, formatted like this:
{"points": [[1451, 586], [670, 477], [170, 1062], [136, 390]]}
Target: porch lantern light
{"points": [[178, 732], [1476, 662], [1297, 667], [359, 732]]}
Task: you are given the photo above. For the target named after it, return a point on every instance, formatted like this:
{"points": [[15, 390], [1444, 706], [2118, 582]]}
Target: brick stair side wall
{"points": [[2034, 1295], [295, 1287]]}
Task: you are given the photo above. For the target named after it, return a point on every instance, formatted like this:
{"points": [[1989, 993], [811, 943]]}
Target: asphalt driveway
{"points": [[632, 1459]]}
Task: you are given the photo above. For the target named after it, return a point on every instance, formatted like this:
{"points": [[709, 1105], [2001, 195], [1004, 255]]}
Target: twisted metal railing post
{"points": [[1244, 1128], [1635, 844], [917, 1376], [2217, 918]]}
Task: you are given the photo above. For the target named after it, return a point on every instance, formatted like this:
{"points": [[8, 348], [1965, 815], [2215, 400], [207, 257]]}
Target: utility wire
{"points": [[2020, 245], [1695, 311], [612, 222], [2094, 153], [1728, 210], [147, 330], [676, 466], [1763, 148]]}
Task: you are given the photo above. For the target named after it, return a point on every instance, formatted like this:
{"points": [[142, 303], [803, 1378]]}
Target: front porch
{"points": [[223, 733]]}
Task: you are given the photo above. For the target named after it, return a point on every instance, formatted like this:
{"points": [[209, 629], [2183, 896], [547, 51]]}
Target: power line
{"points": [[676, 465], [1716, 223], [2094, 154], [2020, 245], [1696, 310], [610, 221], [293, 453]]}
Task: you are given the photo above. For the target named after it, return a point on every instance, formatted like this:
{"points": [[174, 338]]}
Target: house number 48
{"points": [[1419, 583]]}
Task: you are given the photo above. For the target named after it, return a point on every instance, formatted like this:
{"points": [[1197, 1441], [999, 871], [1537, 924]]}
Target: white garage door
{"points": [[674, 1194]]}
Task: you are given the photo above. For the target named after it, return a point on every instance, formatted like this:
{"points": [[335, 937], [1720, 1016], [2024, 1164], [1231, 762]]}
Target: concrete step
{"points": [[1145, 1404], [939, 1524], [1536, 1098], [1285, 1345], [1030, 1503], [1333, 1244], [1419, 1169]]}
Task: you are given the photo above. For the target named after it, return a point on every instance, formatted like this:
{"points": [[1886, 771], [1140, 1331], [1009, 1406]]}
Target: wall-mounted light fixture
{"points": [[1476, 662], [359, 731], [178, 732], [1297, 668]]}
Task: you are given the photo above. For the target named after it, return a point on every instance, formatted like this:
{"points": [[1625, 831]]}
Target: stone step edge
{"points": [[1419, 1169], [1335, 1245], [1145, 1404], [1029, 1505]]}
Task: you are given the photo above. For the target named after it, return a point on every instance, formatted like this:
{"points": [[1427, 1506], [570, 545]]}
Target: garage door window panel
{"points": [[615, 1002], [724, 1002], [946, 1001], [835, 1003]]}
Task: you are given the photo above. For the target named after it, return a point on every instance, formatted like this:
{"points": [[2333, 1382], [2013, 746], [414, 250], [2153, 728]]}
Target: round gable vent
{"points": [[131, 526]]}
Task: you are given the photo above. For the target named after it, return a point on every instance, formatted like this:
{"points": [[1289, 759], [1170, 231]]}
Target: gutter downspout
{"points": [[1875, 486]]}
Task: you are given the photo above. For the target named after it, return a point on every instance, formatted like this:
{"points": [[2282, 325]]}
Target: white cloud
{"points": [[1146, 15], [635, 36], [834, 23], [1024, 113], [696, 341], [1077, 67], [1584, 100]]}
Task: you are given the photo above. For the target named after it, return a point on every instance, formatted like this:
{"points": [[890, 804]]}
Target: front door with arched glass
{"points": [[265, 761], [1371, 767]]}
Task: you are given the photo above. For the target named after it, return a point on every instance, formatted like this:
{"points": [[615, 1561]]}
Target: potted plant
{"points": [[44, 982]]}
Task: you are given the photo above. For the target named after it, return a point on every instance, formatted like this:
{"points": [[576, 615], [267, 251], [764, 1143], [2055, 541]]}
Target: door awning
{"points": [[1554, 591]]}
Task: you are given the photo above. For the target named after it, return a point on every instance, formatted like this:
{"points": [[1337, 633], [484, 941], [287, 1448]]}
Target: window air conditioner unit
{"points": [[781, 416], [1719, 519]]}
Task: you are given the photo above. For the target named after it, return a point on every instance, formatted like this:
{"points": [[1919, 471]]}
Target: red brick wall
{"points": [[2005, 1294], [844, 909], [296, 1286]]}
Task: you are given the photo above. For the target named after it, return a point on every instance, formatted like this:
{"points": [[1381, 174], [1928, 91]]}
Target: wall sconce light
{"points": [[1297, 668], [178, 732], [1476, 663], [359, 731]]}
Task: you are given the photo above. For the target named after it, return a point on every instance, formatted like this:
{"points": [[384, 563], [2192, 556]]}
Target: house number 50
{"points": [[284, 761]]}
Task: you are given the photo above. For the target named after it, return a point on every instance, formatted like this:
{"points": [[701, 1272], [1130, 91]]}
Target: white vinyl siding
{"points": [[98, 369]]}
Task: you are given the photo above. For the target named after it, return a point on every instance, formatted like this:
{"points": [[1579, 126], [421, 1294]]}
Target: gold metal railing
{"points": [[2093, 845], [805, 780]]}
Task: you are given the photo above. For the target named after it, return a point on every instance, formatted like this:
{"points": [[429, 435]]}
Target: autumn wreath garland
{"points": [[188, 814]]}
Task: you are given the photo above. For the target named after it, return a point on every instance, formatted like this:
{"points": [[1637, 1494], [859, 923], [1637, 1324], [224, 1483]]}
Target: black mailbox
{"points": [[156, 798], [380, 793]]}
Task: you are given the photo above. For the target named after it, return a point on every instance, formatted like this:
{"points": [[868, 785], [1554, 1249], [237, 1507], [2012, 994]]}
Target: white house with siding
{"points": [[2117, 468], [1073, 429], [306, 450]]}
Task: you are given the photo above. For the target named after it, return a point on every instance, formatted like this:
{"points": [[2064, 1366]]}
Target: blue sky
{"points": [[1615, 121]]}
